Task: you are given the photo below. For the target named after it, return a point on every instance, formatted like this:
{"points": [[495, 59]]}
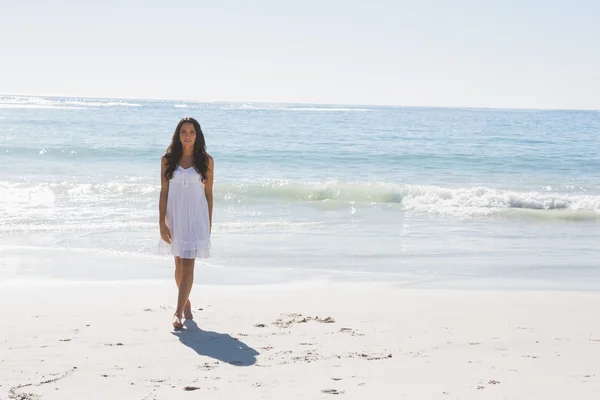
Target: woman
{"points": [[185, 207]]}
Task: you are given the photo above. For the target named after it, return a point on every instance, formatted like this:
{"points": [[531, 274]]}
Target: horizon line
{"points": [[297, 103]]}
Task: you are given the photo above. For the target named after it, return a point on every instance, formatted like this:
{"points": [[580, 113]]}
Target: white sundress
{"points": [[187, 216]]}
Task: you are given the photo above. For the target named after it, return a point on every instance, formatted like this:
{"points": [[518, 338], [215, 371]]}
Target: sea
{"points": [[414, 196]]}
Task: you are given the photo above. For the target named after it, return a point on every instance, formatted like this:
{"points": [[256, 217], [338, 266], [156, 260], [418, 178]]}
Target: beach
{"points": [[357, 252], [392, 200], [314, 339]]}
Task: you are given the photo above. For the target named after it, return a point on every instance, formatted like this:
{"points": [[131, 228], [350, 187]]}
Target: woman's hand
{"points": [[165, 233]]}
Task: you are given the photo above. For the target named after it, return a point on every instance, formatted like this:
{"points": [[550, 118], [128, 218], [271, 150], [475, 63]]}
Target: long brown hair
{"points": [[175, 150]]}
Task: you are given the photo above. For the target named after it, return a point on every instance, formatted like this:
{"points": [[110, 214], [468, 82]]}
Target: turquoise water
{"points": [[421, 196]]}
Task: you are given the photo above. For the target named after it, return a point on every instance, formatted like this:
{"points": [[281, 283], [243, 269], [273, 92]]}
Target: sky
{"points": [[506, 54]]}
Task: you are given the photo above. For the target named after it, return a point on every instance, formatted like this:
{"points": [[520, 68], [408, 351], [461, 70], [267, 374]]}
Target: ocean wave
{"points": [[64, 103], [473, 201], [279, 107], [325, 109], [423, 198], [101, 103], [37, 198], [40, 106]]}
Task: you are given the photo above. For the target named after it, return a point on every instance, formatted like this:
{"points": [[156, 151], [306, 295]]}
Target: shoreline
{"points": [[342, 279]]}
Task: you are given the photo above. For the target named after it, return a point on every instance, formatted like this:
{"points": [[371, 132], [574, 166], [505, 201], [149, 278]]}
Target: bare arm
{"points": [[162, 204], [208, 188]]}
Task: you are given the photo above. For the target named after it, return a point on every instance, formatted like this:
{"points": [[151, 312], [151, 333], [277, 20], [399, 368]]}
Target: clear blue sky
{"points": [[518, 54]]}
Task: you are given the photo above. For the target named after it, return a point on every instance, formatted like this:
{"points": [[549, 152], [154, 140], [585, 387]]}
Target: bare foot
{"points": [[177, 324], [187, 311]]}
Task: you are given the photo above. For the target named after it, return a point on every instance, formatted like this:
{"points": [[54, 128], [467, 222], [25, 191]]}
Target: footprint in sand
{"points": [[371, 357], [351, 332], [308, 357], [288, 320], [208, 366], [327, 320], [332, 391]]}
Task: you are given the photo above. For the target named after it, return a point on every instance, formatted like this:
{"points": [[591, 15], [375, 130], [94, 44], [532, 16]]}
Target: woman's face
{"points": [[187, 134]]}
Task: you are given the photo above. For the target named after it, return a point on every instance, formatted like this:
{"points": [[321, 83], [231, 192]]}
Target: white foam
{"points": [[40, 106], [472, 201], [95, 226], [323, 109], [292, 108], [65, 104], [280, 226], [423, 198], [100, 103]]}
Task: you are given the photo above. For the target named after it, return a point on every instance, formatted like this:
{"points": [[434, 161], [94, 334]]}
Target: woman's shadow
{"points": [[220, 346]]}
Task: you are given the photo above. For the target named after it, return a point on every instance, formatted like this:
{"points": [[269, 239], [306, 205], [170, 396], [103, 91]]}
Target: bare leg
{"points": [[187, 311], [185, 287]]}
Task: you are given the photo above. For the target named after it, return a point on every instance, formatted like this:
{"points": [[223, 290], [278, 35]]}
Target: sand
{"points": [[310, 340]]}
